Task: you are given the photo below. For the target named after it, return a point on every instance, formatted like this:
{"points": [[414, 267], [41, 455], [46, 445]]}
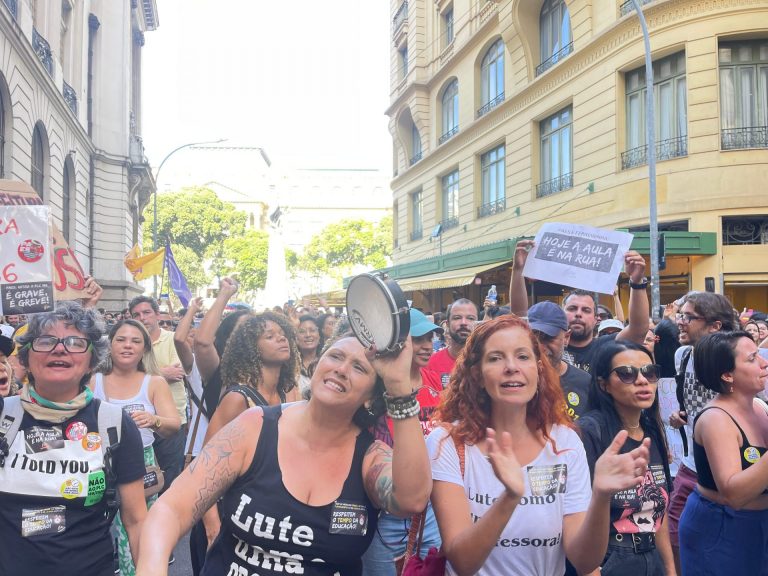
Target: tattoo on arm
{"points": [[378, 480], [216, 463]]}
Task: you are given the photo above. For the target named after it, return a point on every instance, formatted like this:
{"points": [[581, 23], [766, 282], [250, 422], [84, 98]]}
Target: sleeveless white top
{"points": [[140, 402]]}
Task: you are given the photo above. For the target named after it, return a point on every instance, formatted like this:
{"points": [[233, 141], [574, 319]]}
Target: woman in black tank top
{"points": [[301, 486], [724, 526]]}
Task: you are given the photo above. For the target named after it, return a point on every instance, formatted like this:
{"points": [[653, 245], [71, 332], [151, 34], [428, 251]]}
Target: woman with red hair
{"points": [[511, 486]]}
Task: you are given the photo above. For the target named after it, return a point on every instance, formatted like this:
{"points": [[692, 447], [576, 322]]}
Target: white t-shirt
{"points": [[555, 485], [195, 382]]}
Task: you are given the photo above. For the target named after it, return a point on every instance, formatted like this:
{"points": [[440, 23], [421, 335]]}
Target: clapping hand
{"points": [[615, 472], [505, 465]]}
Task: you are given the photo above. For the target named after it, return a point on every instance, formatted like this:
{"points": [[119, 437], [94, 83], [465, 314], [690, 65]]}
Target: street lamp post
{"points": [[650, 136], [157, 177]]}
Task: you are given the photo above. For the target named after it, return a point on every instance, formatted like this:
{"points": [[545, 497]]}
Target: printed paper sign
{"points": [[578, 256], [26, 284], [68, 278]]}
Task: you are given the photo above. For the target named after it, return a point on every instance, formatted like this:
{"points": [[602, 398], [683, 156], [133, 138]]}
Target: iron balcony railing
{"points": [[627, 7], [555, 185], [448, 135], [13, 7], [70, 97], [554, 59], [43, 50], [415, 158], [449, 223], [491, 208], [748, 137], [665, 150], [416, 234], [488, 106], [401, 17]]}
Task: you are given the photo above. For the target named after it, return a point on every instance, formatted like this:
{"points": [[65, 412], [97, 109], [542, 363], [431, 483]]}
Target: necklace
{"points": [[628, 427]]}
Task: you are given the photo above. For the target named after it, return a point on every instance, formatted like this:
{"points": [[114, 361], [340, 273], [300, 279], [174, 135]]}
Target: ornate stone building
{"points": [[70, 122], [509, 113]]}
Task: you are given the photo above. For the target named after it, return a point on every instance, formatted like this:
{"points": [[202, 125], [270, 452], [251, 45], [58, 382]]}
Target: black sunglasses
{"points": [[165, 322], [628, 374]]}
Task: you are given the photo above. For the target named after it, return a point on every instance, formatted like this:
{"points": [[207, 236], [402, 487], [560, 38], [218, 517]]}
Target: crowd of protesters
{"points": [[511, 439]]}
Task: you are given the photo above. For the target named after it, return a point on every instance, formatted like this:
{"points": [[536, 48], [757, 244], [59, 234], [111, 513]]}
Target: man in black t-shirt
{"points": [[580, 307], [548, 322]]}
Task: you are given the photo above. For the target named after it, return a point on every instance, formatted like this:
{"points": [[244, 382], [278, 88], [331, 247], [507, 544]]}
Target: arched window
{"points": [[67, 189], [450, 102], [555, 32], [492, 77], [39, 160]]}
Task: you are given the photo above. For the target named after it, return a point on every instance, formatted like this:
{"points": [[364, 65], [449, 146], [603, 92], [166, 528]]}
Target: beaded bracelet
{"points": [[402, 407]]}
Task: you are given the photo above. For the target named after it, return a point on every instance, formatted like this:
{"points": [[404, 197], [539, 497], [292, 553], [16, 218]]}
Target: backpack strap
{"points": [[680, 382], [110, 422], [10, 421]]}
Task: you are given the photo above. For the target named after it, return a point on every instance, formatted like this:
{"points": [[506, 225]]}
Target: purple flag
{"points": [[176, 278]]}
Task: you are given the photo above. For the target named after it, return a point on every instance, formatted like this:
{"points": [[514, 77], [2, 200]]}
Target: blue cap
{"points": [[547, 317], [420, 325]]}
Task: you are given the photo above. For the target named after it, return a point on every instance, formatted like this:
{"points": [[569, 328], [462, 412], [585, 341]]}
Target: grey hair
{"points": [[87, 320]]}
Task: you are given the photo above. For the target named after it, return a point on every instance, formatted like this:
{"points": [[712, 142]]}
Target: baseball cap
{"points": [[547, 317], [610, 323], [420, 325]]}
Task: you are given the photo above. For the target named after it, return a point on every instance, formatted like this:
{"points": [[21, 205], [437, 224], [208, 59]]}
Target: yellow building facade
{"points": [[507, 114]]}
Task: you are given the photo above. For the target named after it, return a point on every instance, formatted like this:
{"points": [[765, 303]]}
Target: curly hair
{"points": [[241, 362], [466, 401]]}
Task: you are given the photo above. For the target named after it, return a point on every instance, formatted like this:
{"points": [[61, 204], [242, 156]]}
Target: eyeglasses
{"points": [[165, 322], [72, 344], [628, 374], [687, 318]]}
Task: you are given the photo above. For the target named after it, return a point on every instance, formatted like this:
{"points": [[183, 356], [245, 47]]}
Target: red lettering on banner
{"points": [[9, 226], [60, 264]]}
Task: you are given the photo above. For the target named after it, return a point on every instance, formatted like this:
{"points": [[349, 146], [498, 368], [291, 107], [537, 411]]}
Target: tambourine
{"points": [[378, 312]]}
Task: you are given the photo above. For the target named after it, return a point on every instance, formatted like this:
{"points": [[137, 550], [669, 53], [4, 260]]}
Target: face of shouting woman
{"points": [[58, 372], [509, 367], [344, 377]]}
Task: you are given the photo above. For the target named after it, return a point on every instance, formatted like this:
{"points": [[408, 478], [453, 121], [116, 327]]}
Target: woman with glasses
{"points": [[511, 484], [624, 394], [58, 478], [130, 378], [724, 526]]}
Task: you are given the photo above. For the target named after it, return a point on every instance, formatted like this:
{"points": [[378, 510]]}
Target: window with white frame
{"points": [[744, 94], [492, 78], [448, 26], [450, 200], [450, 110], [555, 37], [556, 153], [416, 215], [493, 197], [670, 104]]}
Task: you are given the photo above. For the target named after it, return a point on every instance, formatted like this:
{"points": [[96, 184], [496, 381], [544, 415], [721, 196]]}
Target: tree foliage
{"points": [[246, 255], [341, 246], [195, 218]]}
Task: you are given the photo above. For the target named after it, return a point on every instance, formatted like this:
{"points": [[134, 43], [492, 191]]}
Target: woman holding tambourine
{"points": [[325, 476]]}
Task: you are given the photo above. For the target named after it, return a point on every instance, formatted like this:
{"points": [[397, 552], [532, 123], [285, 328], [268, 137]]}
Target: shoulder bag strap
{"points": [[188, 455], [680, 381], [9, 425]]}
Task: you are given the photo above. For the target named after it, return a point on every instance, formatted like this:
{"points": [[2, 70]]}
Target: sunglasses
{"points": [[165, 322], [628, 374]]}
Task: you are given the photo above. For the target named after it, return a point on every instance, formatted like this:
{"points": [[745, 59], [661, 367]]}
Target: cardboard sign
{"points": [[25, 260], [578, 256], [68, 276]]}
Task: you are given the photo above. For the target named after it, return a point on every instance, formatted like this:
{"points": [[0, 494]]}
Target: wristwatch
{"points": [[642, 285]]}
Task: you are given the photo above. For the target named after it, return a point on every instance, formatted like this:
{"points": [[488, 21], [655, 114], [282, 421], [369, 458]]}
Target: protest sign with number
{"points": [[578, 256], [26, 285]]}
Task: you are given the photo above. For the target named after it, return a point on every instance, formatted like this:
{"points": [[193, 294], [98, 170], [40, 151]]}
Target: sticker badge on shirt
{"points": [[444, 379], [97, 484], [71, 488], [36, 522], [76, 431], [92, 441], [348, 518], [751, 454], [573, 399], [41, 439], [548, 480], [131, 408]]}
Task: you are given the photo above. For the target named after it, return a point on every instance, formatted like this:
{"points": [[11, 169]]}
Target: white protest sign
{"points": [[578, 256], [26, 283]]}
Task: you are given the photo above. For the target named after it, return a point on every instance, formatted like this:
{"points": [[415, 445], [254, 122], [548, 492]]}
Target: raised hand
{"points": [[228, 287], [521, 253], [394, 369], [505, 465], [634, 266], [615, 472]]}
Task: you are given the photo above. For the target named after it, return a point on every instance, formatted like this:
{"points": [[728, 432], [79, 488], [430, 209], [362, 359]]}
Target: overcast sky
{"points": [[308, 81]]}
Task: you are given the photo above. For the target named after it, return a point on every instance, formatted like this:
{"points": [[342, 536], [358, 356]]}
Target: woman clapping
{"points": [[511, 491]]}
